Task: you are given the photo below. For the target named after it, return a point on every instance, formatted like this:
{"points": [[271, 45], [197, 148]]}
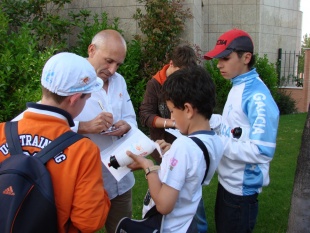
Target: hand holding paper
{"points": [[163, 146], [120, 147]]}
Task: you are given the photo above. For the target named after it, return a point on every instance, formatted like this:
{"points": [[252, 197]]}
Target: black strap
{"points": [[11, 133], [48, 152], [205, 153], [151, 212], [58, 145]]}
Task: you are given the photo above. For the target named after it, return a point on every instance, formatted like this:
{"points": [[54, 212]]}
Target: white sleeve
{"points": [[75, 128]]}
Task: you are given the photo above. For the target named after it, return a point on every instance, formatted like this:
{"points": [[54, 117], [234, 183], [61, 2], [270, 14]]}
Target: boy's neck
{"points": [[199, 125]]}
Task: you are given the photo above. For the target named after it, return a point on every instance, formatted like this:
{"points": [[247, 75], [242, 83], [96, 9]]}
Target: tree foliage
{"points": [[42, 16], [161, 24], [267, 72], [20, 68]]}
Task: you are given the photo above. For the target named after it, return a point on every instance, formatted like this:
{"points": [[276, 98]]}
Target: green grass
{"points": [[274, 201]]}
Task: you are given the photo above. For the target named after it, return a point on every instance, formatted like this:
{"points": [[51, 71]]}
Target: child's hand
{"points": [[164, 146], [139, 162]]}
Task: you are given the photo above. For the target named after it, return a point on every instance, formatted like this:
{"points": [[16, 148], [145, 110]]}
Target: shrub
{"points": [[268, 73], [130, 71], [42, 17], [20, 68], [286, 104], [162, 22]]}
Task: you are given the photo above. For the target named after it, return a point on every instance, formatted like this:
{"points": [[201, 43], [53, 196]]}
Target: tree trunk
{"points": [[299, 217]]}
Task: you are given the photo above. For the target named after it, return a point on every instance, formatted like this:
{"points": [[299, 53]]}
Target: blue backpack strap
{"points": [[48, 152], [58, 145], [12, 138], [205, 153]]}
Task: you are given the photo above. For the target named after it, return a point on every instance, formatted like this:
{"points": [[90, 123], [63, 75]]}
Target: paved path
{"points": [[299, 218]]}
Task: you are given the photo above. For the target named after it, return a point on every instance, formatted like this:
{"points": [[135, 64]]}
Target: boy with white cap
{"points": [[244, 167], [81, 201]]}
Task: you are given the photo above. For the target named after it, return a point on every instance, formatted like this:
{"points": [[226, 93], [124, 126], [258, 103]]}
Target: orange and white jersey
{"points": [[81, 200]]}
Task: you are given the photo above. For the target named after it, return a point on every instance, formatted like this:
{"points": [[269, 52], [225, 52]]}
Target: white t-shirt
{"points": [[183, 168]]}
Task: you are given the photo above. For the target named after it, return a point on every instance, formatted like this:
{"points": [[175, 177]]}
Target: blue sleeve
{"points": [[260, 115], [263, 115]]}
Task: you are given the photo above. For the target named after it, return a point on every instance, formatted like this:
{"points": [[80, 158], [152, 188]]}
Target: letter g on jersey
{"points": [[60, 158]]}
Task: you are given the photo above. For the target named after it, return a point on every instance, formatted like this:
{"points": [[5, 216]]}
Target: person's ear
{"points": [[247, 58], [73, 99], [189, 110], [91, 50]]}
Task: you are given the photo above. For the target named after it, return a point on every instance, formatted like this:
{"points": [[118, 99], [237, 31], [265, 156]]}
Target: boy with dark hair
{"points": [[153, 110], [244, 168], [176, 187]]}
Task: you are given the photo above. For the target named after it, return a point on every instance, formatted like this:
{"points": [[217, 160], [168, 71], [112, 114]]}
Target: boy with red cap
{"points": [[244, 167]]}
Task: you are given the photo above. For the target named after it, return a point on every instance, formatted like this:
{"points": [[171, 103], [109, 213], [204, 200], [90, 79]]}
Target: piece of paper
{"points": [[174, 132], [109, 130], [119, 146], [158, 149]]}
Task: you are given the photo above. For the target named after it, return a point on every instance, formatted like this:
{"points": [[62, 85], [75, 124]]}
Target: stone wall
{"points": [[273, 24], [122, 9]]}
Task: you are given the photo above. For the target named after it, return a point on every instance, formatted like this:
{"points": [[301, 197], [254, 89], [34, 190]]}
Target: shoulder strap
{"points": [[151, 212], [48, 152], [58, 145], [11, 134], [205, 153]]}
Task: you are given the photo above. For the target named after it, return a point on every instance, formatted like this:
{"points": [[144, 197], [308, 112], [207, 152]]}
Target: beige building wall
{"points": [[122, 9], [194, 27], [273, 24]]}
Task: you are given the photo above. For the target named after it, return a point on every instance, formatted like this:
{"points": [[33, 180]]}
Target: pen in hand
{"points": [[102, 108]]}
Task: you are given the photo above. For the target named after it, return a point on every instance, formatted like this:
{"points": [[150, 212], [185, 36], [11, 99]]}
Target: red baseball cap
{"points": [[232, 40]]}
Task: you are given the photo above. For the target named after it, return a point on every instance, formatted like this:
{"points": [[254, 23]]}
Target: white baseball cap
{"points": [[66, 74]]}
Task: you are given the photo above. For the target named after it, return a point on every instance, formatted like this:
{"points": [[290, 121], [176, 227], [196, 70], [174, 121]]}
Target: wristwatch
{"points": [[151, 169]]}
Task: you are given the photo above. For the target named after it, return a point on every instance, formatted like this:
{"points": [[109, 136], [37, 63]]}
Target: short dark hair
{"points": [[183, 56], [192, 85], [252, 61]]}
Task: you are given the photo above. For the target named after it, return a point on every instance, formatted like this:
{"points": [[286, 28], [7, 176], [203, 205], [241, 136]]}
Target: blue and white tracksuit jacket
{"points": [[244, 167]]}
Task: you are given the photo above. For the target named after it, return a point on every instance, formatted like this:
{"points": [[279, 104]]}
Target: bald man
{"points": [[111, 106]]}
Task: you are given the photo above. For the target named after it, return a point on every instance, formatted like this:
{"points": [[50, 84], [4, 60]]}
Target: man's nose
{"points": [[113, 68]]}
